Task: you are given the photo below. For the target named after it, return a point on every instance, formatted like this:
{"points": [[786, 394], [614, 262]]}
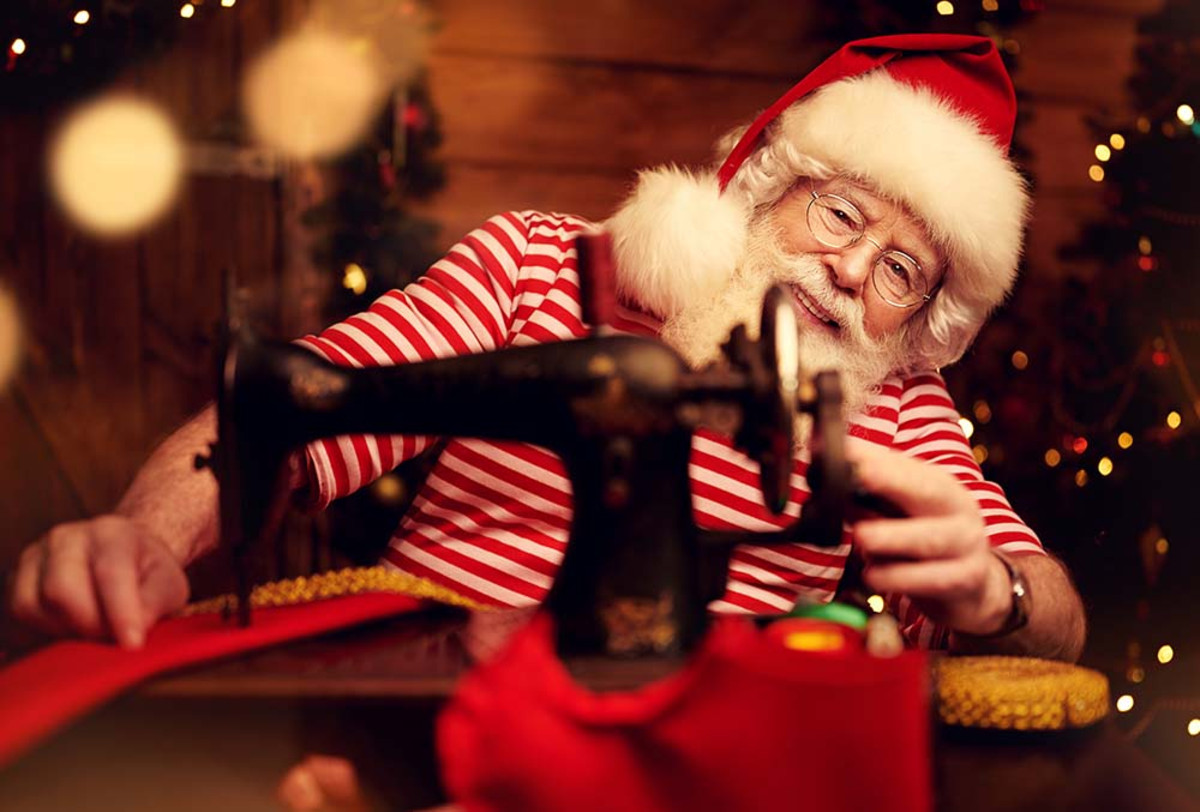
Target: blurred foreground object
{"points": [[116, 164]]}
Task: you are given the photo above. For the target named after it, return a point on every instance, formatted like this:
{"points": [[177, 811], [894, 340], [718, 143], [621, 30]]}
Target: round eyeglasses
{"points": [[837, 223]]}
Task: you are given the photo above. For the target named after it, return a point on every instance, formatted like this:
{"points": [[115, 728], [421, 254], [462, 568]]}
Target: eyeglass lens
{"points": [[838, 223]]}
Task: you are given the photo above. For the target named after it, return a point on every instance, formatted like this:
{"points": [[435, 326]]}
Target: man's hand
{"points": [[938, 555], [107, 577]]}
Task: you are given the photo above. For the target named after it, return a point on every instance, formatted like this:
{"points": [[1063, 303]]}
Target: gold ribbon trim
{"points": [[350, 581], [1018, 693]]}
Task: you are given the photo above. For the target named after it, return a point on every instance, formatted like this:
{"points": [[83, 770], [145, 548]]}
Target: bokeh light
{"points": [[1124, 703], [313, 94], [1165, 654], [10, 337], [968, 428], [1125, 439], [116, 165]]}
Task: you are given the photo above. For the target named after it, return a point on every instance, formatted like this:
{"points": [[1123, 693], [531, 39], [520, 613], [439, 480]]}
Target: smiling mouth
{"points": [[819, 313]]}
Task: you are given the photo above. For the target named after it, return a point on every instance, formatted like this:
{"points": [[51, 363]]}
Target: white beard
{"points": [[698, 330]]}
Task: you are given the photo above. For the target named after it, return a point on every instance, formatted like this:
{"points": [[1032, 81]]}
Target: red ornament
{"points": [[1160, 358], [1079, 445], [414, 117]]}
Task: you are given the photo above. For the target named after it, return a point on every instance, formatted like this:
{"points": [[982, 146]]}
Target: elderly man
{"points": [[877, 189]]}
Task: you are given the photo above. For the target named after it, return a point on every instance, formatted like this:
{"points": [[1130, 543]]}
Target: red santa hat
{"points": [[925, 119]]}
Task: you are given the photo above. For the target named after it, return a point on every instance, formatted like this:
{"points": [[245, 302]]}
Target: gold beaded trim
{"points": [[1018, 693], [350, 581]]}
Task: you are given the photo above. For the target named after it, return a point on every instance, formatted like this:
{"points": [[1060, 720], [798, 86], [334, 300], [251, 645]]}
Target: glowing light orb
{"points": [[187, 11], [1020, 360], [1174, 419], [1166, 654], [1103, 153], [1185, 113], [945, 8], [1125, 439], [1124, 703], [1193, 727], [1053, 458], [313, 94], [18, 46], [10, 337], [82, 16], [116, 164], [354, 278], [968, 428], [1105, 466], [1117, 140], [876, 603], [1096, 172]]}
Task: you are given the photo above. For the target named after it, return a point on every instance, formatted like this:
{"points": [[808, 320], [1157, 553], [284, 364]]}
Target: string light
{"points": [[227, 3], [990, 5], [1117, 140], [1194, 727], [1096, 172], [983, 412], [1135, 674], [355, 279], [1174, 419], [1185, 113], [1053, 458], [981, 454], [1012, 46], [968, 428], [82, 16], [1124, 703], [187, 11], [1081, 477], [1143, 125], [1103, 153], [1020, 360], [1161, 546], [18, 46], [1079, 445], [945, 8], [1105, 466], [1125, 439], [876, 603], [1144, 244], [1165, 654]]}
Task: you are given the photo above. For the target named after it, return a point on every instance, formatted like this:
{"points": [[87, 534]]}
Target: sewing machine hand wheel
{"points": [[772, 366]]}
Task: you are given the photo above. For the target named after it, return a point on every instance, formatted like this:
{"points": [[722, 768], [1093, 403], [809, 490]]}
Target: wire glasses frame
{"points": [[835, 222]]}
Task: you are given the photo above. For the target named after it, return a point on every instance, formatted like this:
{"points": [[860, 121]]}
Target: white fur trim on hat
{"points": [[915, 147], [676, 238]]}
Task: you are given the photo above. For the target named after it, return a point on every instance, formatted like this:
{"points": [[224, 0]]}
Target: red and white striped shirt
{"points": [[492, 518]]}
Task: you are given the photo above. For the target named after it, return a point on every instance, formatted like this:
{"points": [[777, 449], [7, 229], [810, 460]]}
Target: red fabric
{"points": [[57, 684], [966, 70], [747, 725]]}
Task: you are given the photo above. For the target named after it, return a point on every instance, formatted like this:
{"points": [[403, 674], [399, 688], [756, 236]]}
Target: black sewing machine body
{"points": [[620, 411]]}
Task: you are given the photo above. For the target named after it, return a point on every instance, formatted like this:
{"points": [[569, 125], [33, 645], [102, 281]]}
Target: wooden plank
{"points": [[473, 194], [1073, 55], [571, 117], [1062, 146], [757, 37]]}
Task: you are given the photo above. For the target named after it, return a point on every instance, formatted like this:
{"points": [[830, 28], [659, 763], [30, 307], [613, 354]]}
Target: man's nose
{"points": [[850, 268]]}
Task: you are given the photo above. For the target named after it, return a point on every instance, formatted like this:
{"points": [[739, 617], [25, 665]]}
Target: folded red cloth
{"points": [[55, 685], [747, 725]]}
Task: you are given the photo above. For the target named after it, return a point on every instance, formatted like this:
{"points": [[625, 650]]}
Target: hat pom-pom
{"points": [[676, 239]]}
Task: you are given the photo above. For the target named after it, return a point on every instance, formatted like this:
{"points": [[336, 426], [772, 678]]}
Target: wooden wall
{"points": [[545, 104]]}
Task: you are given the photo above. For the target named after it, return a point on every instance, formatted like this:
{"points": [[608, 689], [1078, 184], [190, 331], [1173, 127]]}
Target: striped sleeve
{"points": [[928, 429], [463, 304]]}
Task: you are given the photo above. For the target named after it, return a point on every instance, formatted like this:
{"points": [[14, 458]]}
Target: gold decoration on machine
{"points": [[322, 586], [1018, 693]]}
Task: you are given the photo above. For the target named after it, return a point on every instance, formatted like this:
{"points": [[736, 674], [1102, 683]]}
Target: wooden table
{"points": [[221, 736]]}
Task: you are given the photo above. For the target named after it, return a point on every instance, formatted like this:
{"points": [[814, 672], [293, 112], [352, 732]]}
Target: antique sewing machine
{"points": [[619, 410]]}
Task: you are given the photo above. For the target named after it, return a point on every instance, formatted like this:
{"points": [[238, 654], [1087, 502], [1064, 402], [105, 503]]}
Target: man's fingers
{"points": [[915, 486], [162, 584], [26, 600], [942, 580], [924, 537], [115, 575], [67, 594]]}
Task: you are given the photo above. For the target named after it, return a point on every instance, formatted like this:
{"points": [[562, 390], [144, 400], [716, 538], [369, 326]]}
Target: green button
{"points": [[842, 613]]}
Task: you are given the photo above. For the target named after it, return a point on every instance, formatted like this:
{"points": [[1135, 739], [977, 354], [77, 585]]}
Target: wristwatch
{"points": [[1018, 616]]}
